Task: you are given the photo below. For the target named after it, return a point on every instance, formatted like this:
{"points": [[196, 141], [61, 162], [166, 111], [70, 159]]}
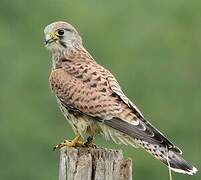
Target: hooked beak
{"points": [[50, 37]]}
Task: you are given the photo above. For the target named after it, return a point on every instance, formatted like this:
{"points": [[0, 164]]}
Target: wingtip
{"points": [[176, 149]]}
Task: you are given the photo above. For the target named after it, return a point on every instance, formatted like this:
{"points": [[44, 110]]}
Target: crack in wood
{"points": [[93, 164]]}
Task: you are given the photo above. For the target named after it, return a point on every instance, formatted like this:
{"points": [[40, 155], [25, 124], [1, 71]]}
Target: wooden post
{"points": [[93, 164]]}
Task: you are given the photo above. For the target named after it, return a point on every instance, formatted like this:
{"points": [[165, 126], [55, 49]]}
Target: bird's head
{"points": [[60, 35]]}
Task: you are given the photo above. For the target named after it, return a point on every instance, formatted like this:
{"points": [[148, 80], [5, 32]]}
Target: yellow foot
{"points": [[74, 143], [89, 142]]}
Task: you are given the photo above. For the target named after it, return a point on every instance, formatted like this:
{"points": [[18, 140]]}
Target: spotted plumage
{"points": [[92, 101]]}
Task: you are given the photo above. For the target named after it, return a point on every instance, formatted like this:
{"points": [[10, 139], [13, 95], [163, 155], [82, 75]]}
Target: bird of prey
{"points": [[93, 102]]}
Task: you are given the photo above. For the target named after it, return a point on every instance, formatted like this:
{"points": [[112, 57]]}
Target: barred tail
{"points": [[150, 139], [169, 158]]}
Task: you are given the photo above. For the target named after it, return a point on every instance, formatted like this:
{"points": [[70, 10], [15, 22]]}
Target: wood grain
{"points": [[93, 164]]}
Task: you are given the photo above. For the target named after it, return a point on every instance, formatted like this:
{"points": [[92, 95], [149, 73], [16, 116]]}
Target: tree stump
{"points": [[93, 164]]}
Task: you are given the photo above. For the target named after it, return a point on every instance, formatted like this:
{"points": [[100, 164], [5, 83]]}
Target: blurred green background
{"points": [[152, 47]]}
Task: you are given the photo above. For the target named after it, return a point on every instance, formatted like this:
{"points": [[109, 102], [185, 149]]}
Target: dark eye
{"points": [[60, 32]]}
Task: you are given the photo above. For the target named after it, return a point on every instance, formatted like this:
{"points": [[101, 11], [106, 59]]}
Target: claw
{"points": [[89, 142], [74, 143]]}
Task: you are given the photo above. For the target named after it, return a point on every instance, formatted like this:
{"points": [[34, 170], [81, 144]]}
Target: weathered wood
{"points": [[93, 164]]}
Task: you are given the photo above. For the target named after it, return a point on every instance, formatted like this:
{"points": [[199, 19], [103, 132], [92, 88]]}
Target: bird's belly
{"points": [[84, 124], [80, 123]]}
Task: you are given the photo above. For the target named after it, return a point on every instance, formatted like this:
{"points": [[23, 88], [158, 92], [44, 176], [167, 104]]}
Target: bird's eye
{"points": [[60, 32]]}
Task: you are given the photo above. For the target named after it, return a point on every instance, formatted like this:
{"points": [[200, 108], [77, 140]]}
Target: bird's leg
{"points": [[76, 142], [89, 142]]}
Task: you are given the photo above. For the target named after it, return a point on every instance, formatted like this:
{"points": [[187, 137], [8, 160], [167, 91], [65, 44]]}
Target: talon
{"points": [[74, 143], [89, 143]]}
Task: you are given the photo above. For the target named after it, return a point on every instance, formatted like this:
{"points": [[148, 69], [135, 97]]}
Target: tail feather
{"points": [[168, 157], [178, 164], [150, 139]]}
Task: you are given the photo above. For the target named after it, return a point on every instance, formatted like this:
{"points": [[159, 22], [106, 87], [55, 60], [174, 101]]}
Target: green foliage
{"points": [[152, 47]]}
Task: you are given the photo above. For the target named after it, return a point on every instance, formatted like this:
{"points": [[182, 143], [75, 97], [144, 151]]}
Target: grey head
{"points": [[61, 35]]}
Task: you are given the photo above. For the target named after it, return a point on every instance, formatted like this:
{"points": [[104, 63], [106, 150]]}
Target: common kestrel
{"points": [[92, 100]]}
